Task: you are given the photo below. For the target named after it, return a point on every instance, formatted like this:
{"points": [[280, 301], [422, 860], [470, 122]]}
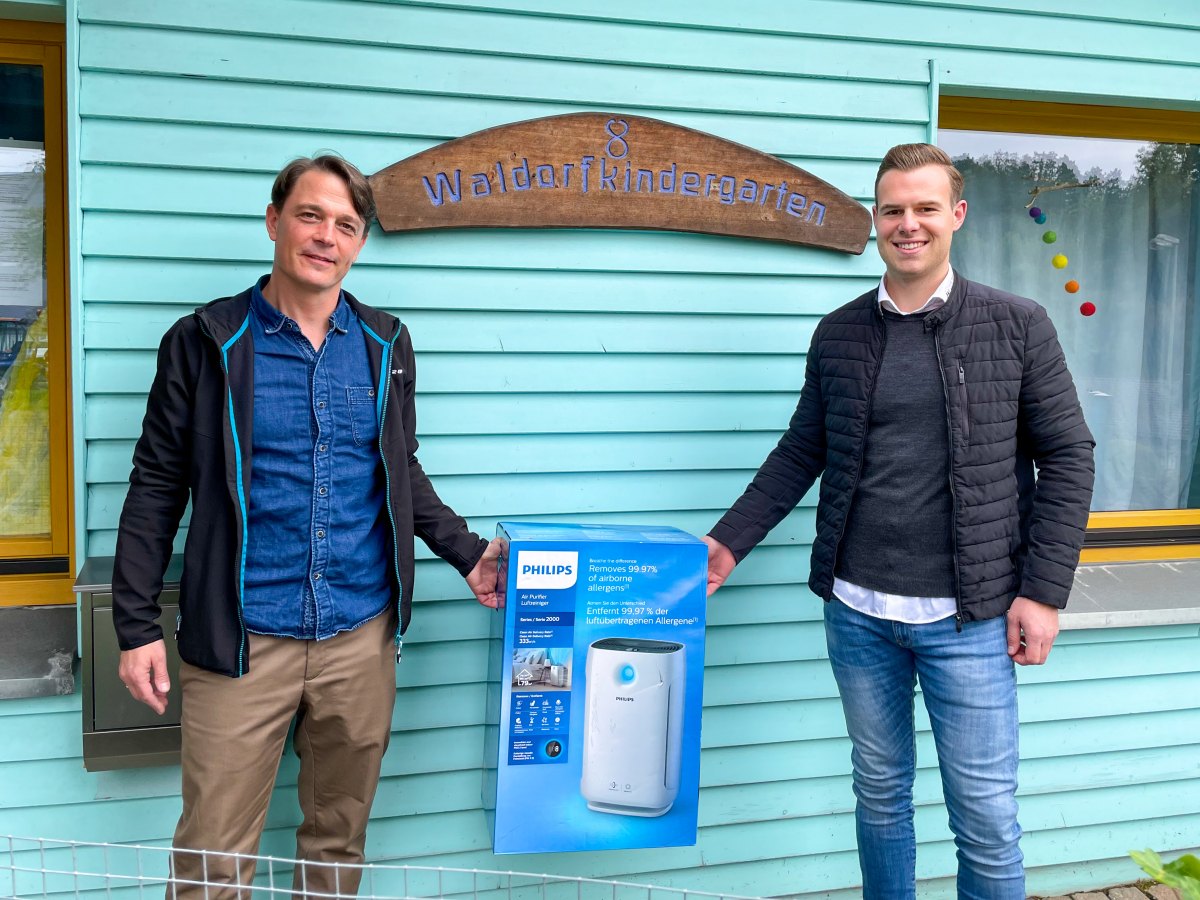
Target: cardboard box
{"points": [[597, 671]]}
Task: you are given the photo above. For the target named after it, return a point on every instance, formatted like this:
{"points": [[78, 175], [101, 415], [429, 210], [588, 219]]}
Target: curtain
{"points": [[1131, 240]]}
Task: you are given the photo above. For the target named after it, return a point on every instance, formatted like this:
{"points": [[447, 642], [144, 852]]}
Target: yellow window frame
{"points": [[42, 44], [1113, 536]]}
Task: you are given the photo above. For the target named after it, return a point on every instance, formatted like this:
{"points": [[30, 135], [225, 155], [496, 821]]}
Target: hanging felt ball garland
{"points": [[1059, 260]]}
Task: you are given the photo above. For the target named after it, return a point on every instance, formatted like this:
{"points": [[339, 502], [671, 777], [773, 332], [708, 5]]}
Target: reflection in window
{"points": [[24, 384], [1124, 223]]}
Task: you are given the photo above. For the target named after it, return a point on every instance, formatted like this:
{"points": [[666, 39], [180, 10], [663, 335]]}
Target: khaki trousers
{"points": [[341, 692]]}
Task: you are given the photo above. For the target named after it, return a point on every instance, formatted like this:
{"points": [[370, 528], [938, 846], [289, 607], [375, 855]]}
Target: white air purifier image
{"points": [[633, 726]]}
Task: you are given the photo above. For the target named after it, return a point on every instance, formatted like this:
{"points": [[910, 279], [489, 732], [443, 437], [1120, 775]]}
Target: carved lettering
{"points": [[443, 188], [598, 170]]}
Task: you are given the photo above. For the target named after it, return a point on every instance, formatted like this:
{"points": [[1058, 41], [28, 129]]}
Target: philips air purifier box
{"points": [[594, 702]]}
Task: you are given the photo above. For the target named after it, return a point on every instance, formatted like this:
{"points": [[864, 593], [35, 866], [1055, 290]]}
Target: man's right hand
{"points": [[144, 671], [720, 563]]}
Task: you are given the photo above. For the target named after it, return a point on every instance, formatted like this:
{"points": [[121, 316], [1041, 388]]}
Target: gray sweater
{"points": [[898, 534]]}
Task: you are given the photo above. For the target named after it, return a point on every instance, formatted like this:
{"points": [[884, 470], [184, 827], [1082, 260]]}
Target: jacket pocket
{"points": [[964, 401], [363, 422]]}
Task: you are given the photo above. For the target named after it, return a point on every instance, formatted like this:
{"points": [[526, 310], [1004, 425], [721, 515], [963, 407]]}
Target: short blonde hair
{"points": [[907, 157]]}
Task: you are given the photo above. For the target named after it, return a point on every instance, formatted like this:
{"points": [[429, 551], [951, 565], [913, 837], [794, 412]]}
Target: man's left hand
{"points": [[482, 580], [1032, 628]]}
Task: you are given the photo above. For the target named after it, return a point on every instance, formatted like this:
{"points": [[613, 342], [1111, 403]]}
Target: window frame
{"points": [[1121, 536], [39, 570]]}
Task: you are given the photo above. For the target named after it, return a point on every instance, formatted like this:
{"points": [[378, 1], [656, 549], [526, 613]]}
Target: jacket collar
{"points": [[953, 303], [384, 324], [224, 318]]}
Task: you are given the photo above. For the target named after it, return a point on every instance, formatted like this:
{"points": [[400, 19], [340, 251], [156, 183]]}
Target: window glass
{"points": [[24, 378], [1114, 261]]}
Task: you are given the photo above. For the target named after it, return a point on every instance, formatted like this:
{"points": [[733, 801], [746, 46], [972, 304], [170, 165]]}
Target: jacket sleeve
{"points": [[441, 528], [1052, 431], [158, 489], [786, 474]]}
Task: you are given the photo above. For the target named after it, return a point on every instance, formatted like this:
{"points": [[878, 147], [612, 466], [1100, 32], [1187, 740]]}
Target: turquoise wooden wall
{"points": [[593, 376]]}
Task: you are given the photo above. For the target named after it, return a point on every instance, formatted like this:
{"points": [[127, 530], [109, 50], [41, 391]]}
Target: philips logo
{"points": [[624, 699], [545, 570], [554, 569]]}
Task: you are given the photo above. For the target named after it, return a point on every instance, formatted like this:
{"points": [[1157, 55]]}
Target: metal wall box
{"points": [[118, 731], [37, 651]]}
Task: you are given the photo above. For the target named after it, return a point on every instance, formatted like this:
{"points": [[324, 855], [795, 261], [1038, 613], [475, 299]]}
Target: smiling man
{"points": [[927, 405], [286, 414]]}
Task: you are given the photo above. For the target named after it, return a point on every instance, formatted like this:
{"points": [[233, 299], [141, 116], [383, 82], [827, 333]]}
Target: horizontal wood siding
{"points": [[595, 376]]}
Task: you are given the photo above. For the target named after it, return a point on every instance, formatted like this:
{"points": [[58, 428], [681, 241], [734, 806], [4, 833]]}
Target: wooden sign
{"points": [[600, 170]]}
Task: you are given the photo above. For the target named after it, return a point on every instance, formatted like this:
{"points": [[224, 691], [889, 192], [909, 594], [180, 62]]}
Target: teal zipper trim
{"points": [[381, 393], [241, 490], [383, 374]]}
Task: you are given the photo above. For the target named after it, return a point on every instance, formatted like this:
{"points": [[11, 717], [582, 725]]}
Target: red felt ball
{"points": [[1087, 308], [1071, 286]]}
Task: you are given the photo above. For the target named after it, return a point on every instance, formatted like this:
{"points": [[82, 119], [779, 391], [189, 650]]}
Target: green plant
{"points": [[1182, 874]]}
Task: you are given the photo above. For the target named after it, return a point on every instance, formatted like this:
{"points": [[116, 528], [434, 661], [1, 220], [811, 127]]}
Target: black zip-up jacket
{"points": [[1010, 406], [196, 440]]}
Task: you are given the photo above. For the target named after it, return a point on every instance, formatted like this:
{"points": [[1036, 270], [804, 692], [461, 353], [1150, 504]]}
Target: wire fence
{"points": [[47, 868]]}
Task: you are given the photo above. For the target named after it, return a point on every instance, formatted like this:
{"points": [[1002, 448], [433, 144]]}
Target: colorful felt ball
{"points": [[1059, 261], [1041, 220], [1072, 286], [1087, 308], [1035, 212], [1050, 237]]}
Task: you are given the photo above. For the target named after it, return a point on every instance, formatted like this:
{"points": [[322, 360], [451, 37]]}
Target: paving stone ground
{"points": [[1124, 892]]}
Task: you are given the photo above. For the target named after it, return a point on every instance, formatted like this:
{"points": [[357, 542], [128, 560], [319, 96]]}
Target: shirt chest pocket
{"points": [[364, 423]]}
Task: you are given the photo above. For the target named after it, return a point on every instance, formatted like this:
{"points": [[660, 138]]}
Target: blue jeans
{"points": [[970, 690]]}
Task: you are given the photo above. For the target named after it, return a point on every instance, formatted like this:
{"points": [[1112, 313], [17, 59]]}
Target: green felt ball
{"points": [[1050, 237]]}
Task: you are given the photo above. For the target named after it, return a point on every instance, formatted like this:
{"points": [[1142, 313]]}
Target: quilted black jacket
{"points": [[1011, 406]]}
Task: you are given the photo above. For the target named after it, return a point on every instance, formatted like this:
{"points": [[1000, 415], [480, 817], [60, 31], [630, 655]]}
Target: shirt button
{"points": [[320, 534], [322, 490], [320, 404], [317, 577], [323, 447], [371, 392]]}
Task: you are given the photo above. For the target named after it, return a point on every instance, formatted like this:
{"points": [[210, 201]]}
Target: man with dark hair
{"points": [[287, 414], [927, 404]]}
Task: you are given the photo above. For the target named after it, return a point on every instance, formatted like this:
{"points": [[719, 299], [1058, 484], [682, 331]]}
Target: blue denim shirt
{"points": [[317, 543]]}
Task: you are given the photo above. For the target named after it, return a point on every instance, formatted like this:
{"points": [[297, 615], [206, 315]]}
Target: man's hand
{"points": [[144, 671], [1032, 628], [720, 563], [482, 580]]}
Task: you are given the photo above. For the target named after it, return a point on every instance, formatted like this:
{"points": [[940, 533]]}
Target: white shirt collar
{"points": [[940, 296]]}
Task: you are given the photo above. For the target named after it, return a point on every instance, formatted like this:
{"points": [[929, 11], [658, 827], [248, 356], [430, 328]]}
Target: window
{"points": [[1095, 212], [35, 505]]}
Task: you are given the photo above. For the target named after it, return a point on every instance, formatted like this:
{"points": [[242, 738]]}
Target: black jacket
{"points": [[1010, 406], [196, 440]]}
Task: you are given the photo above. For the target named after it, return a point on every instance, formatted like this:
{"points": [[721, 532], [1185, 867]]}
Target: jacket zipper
{"points": [[862, 445], [937, 348], [966, 405], [242, 543], [387, 484]]}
